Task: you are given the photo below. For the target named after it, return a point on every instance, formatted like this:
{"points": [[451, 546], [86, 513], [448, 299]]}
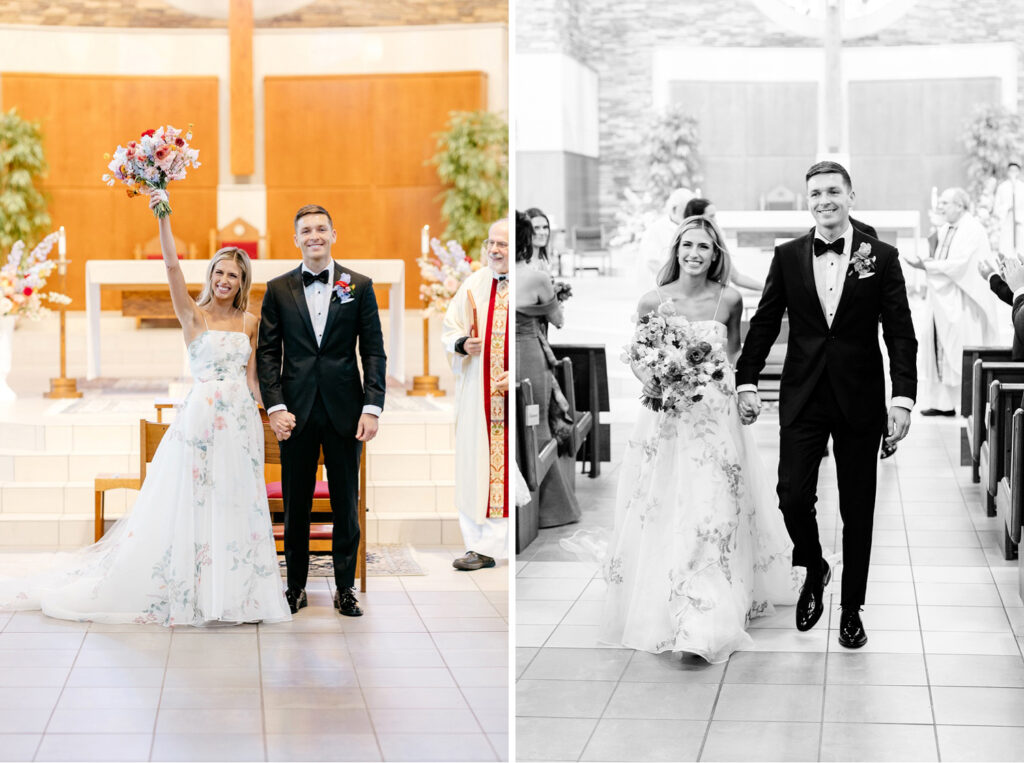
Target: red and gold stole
{"points": [[495, 401]]}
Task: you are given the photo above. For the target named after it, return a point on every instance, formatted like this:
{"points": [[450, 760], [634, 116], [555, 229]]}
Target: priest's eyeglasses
{"points": [[501, 246]]}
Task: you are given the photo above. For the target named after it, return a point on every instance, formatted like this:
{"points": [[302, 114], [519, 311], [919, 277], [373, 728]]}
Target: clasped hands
{"points": [[283, 422]]}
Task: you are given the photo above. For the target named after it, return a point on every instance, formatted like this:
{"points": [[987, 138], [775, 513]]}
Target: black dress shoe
{"points": [[472, 561], [296, 600], [346, 603], [851, 629], [810, 605], [937, 412]]}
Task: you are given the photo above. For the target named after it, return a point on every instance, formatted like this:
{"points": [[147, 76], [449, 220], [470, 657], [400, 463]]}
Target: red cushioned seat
{"points": [[316, 532], [274, 490]]}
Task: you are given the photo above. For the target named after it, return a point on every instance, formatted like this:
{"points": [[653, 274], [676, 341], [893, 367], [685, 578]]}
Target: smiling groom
{"points": [[313, 318], [836, 283]]}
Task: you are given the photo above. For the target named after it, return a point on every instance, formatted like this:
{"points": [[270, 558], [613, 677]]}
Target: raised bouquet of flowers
{"points": [[681, 366], [443, 269], [23, 277], [563, 290], [147, 165]]}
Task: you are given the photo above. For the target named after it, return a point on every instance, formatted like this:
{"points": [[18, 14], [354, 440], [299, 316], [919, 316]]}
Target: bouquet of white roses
{"points": [[147, 165], [23, 277], [679, 364]]}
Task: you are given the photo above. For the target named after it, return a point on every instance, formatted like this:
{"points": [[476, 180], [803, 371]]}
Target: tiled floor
{"points": [[422, 676], [941, 677]]}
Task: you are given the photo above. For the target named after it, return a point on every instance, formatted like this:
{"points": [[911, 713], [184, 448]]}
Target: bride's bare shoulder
{"points": [[648, 303]]}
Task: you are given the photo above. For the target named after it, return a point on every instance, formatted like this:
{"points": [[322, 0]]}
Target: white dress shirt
{"points": [[318, 301], [829, 277]]}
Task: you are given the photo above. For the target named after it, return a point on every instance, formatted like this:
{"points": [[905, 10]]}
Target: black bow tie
{"points": [[820, 247], [308, 278]]}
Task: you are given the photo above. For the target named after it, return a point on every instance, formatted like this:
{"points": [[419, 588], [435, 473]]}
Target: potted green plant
{"points": [[472, 164], [23, 213]]}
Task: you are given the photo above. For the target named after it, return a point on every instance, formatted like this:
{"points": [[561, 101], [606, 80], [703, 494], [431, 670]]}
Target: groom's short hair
{"points": [[829, 168], [312, 209]]}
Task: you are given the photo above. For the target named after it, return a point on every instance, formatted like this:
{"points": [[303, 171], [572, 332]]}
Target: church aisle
{"points": [[423, 675], [941, 675]]}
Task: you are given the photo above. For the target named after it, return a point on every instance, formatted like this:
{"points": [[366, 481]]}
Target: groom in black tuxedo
{"points": [[312, 319], [836, 282]]}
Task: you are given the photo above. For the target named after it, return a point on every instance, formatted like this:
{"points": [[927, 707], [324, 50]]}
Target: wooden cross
{"points": [[240, 27]]}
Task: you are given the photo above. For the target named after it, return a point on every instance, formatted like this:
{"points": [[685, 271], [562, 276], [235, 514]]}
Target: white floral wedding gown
{"points": [[700, 546], [198, 546]]}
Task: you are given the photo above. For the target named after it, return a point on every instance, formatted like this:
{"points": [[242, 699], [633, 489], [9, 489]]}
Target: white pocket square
{"points": [[866, 275]]}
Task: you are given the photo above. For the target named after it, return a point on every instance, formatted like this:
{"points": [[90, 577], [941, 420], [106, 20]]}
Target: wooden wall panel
{"points": [[358, 146], [83, 117]]}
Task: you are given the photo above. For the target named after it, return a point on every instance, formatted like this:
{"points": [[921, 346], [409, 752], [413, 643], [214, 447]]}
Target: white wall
{"points": [[555, 104]]}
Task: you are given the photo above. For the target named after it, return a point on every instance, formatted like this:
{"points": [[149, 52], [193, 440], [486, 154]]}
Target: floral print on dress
{"points": [[699, 546], [198, 546]]}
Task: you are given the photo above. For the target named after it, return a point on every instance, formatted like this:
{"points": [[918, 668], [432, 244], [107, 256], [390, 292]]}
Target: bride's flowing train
{"points": [[700, 547], [198, 546]]}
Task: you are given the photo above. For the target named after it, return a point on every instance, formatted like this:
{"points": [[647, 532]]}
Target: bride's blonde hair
{"points": [[240, 258], [721, 263]]}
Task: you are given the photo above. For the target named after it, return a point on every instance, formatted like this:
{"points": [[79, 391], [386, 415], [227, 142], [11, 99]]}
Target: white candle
{"points": [[425, 239], [62, 244]]}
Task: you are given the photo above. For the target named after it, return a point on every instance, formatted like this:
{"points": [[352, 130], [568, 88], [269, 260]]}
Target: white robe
{"points": [[1008, 192], [959, 312], [472, 468]]}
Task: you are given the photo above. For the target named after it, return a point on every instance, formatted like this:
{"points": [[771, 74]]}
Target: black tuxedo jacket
{"points": [[292, 369], [848, 351], [998, 285]]}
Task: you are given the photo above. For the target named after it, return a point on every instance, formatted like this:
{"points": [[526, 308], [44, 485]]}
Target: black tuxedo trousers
{"points": [[300, 454], [802, 441]]}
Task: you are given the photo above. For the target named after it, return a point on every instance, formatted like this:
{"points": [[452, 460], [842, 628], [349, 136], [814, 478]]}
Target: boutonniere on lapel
{"points": [[343, 288], [862, 262]]}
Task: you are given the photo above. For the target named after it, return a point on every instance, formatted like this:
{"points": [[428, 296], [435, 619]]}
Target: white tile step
{"points": [[388, 497], [399, 466], [49, 466]]}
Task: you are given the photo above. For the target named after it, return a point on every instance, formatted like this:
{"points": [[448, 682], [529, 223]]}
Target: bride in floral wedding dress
{"points": [[198, 546], [699, 547]]}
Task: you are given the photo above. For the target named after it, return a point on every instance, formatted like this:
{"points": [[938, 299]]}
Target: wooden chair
{"points": [[150, 435], [151, 250], [243, 235], [587, 242], [320, 533]]}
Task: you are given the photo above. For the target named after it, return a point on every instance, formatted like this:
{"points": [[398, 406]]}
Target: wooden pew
{"points": [[971, 354], [534, 462], [590, 387], [1003, 400], [150, 435], [982, 376], [1010, 494], [583, 422]]}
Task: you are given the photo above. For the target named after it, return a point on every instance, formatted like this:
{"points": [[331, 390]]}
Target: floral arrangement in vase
{"points": [[23, 277], [444, 268]]}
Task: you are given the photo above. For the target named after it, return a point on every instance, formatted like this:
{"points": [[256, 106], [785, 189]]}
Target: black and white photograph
{"points": [[768, 377]]}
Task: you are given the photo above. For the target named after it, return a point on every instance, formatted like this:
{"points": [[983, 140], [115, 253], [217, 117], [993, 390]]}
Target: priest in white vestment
{"points": [[475, 337], [959, 308], [1009, 209]]}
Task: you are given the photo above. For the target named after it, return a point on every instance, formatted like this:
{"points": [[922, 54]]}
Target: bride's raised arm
{"points": [[184, 306]]}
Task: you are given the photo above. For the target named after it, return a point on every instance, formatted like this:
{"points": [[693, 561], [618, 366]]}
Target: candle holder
{"points": [[426, 385], [62, 387]]}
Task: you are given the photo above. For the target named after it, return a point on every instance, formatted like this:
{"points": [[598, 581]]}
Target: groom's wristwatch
{"points": [[460, 345]]}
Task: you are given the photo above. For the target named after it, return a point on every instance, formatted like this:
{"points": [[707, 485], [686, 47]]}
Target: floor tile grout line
{"points": [[42, 737], [920, 627], [160, 696], [263, 703], [359, 681], [714, 707]]}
